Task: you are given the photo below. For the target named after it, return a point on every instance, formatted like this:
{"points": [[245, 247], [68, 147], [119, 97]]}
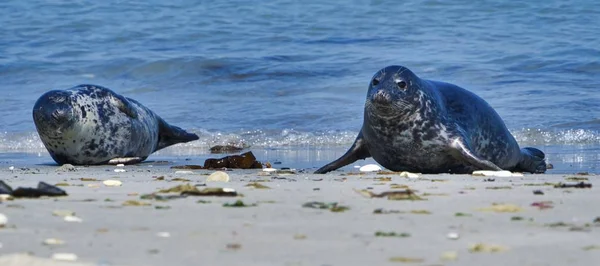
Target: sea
{"points": [[288, 79]]}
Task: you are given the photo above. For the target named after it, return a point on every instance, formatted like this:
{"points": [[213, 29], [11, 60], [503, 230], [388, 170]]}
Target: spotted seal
{"points": [[90, 125], [417, 125]]}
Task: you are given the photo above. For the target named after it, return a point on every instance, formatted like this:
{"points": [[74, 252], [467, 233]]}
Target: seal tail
{"points": [[169, 135], [532, 160]]}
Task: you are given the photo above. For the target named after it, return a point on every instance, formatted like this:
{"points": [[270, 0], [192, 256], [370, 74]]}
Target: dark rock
{"points": [[243, 161]]}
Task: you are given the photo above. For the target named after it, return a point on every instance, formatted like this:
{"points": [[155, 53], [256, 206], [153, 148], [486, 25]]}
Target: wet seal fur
{"points": [[90, 125], [417, 125]]}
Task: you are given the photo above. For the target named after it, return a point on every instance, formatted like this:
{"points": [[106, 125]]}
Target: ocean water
{"points": [[292, 75]]}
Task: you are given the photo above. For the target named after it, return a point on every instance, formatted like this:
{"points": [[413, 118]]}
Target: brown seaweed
{"points": [[243, 161], [43, 189]]}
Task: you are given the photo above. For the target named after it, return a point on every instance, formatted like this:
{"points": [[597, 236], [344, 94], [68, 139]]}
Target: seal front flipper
{"points": [[461, 151], [124, 105], [358, 151], [169, 135], [532, 160], [126, 160]]}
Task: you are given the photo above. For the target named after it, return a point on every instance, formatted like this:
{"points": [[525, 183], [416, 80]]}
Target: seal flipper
{"points": [[532, 160], [461, 151], [124, 105], [169, 135], [358, 151]]}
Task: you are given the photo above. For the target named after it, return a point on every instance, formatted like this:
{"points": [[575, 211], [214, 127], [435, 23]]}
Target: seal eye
{"points": [[375, 82], [401, 84]]}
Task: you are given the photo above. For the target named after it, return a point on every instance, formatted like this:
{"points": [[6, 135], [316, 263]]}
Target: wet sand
{"points": [[457, 223]]}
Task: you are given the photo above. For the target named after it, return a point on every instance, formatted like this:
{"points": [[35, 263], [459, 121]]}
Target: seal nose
{"points": [[381, 97], [52, 111]]}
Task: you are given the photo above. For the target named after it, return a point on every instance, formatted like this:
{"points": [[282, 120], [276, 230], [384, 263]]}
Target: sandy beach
{"points": [[298, 218]]}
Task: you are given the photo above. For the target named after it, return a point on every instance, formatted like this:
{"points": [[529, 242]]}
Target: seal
{"points": [[418, 125], [91, 125]]}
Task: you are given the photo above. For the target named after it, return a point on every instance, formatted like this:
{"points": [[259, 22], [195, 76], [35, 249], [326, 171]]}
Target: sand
{"points": [[457, 223]]}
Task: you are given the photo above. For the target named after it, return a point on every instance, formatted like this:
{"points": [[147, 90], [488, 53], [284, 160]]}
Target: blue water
{"points": [[294, 73]]}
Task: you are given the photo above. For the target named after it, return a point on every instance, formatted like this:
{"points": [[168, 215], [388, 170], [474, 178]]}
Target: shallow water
{"points": [[294, 74]]}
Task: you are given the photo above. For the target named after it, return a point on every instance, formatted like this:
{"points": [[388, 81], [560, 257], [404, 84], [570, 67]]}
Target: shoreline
{"points": [[444, 229]]}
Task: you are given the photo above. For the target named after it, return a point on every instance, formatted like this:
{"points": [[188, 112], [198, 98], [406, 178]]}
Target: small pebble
{"points": [[120, 165], [269, 170], [112, 183], [64, 256], [163, 234], [218, 176], [73, 219], [118, 170], [370, 168], [53, 242], [184, 172], [11, 168], [3, 220], [66, 168], [452, 235]]}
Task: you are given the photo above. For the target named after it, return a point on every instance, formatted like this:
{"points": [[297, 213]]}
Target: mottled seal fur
{"points": [[89, 125], [417, 125]]}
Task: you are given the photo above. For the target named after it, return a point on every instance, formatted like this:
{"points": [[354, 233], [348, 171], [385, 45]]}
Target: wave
{"points": [[30, 142]]}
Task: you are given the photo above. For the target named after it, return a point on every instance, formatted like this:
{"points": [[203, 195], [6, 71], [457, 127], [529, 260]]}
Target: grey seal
{"points": [[425, 126], [91, 125]]}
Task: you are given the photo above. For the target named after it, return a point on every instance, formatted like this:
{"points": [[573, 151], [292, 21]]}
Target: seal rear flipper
{"points": [[169, 135], [532, 160], [358, 151], [462, 152]]}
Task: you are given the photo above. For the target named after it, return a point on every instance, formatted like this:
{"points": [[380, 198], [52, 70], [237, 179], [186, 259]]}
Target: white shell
{"points": [[226, 189], [73, 219], [53, 242], [3, 220], [120, 165], [409, 175], [269, 170], [502, 173], [119, 170], [184, 172], [452, 235], [163, 234], [64, 256], [370, 168], [112, 183], [218, 176]]}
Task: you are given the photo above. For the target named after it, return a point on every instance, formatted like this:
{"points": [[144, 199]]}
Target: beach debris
{"points": [[136, 203], [225, 149], [218, 176], [576, 178], [257, 185], [64, 256], [216, 191], [489, 173], [269, 170], [333, 206], [187, 167], [163, 234], [43, 189], [499, 187], [88, 179], [591, 247], [182, 172], [382, 211], [576, 185], [120, 165], [62, 184], [369, 168], [72, 219], [179, 179], [486, 248], [453, 236], [517, 218], [409, 175], [398, 186], [3, 220], [159, 207], [112, 183], [299, 236], [449, 256], [203, 201], [6, 197], [179, 189], [407, 194], [391, 234], [420, 212], [542, 205], [242, 161], [238, 204], [63, 213], [120, 170], [233, 246], [499, 207], [53, 242], [462, 214], [66, 168], [406, 260]]}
